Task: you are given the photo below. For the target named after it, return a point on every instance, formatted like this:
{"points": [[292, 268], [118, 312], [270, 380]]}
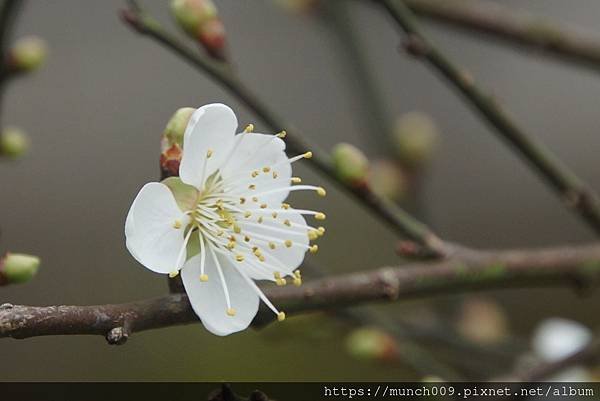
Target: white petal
{"points": [[150, 235], [208, 299], [255, 152], [284, 260], [211, 128], [558, 338]]}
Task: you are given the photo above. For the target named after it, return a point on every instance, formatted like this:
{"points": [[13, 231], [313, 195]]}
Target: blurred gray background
{"points": [[95, 112]]}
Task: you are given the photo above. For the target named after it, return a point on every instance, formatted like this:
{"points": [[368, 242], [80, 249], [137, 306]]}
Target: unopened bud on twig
{"points": [[387, 179], [172, 141], [415, 136], [200, 20], [175, 128], [483, 321], [17, 268], [27, 54], [372, 344], [14, 142], [350, 163]]}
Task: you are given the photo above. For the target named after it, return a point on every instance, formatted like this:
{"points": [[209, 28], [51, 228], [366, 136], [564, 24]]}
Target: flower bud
{"points": [[483, 321], [28, 54], [387, 179], [18, 268], [415, 137], [371, 344], [176, 126], [350, 163], [200, 20], [13, 142]]}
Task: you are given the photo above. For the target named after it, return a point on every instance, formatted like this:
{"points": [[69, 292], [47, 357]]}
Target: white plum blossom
{"points": [[558, 338], [223, 223]]}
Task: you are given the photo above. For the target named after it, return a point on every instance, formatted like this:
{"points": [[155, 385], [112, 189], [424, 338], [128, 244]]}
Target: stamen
{"points": [[281, 134], [223, 283], [203, 276], [262, 296], [320, 216], [249, 128], [296, 180], [177, 224]]}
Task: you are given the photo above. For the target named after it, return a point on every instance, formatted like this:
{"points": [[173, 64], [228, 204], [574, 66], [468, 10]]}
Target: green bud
{"points": [[176, 126], [415, 137], [387, 179], [28, 54], [18, 268], [191, 15], [371, 344], [13, 142], [350, 163]]}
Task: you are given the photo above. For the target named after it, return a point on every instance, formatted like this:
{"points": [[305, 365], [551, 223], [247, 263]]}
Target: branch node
{"points": [[415, 46]]}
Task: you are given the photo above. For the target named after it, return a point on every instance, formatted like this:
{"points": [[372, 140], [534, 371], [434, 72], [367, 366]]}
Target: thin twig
{"points": [[574, 193], [531, 32], [393, 215], [578, 266]]}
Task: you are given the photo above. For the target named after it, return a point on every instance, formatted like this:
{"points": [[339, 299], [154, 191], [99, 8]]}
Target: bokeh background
{"points": [[95, 113]]}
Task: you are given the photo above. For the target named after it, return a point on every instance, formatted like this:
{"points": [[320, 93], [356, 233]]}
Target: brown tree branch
{"points": [[542, 35], [476, 270], [398, 219], [575, 194]]}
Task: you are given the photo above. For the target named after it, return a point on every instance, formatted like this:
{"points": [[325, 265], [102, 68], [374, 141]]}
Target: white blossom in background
{"points": [[223, 223], [558, 338]]}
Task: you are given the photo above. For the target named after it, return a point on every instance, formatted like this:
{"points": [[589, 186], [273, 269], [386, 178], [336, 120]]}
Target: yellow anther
{"points": [[277, 275], [297, 281], [252, 186], [174, 274], [255, 174], [249, 128], [257, 252], [247, 214], [209, 153], [274, 214], [297, 273], [321, 191], [285, 206], [288, 243], [272, 245], [320, 216], [307, 155], [313, 235], [242, 201], [287, 223], [237, 229], [263, 206], [204, 278], [282, 134], [314, 248], [266, 169], [177, 224], [280, 282], [261, 258], [321, 230], [230, 312], [275, 175], [281, 316], [239, 258], [232, 238], [296, 180], [246, 238], [260, 219], [231, 245], [254, 199]]}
